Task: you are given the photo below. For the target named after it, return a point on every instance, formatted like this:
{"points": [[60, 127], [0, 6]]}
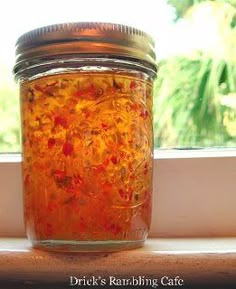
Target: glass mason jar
{"points": [[87, 138]]}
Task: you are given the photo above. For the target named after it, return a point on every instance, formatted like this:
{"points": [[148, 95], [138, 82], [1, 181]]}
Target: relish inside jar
{"points": [[87, 158]]}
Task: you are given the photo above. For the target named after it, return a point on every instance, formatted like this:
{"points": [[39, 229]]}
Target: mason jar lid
{"points": [[85, 38]]}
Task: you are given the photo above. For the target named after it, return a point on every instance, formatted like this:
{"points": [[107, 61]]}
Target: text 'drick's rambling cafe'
{"points": [[134, 281]]}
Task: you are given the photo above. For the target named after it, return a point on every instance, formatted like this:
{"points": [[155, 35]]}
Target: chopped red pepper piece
{"points": [[105, 126], [133, 84], [134, 106], [38, 88], [67, 149], [144, 114], [122, 155], [114, 160], [51, 142], [60, 121], [105, 162]]}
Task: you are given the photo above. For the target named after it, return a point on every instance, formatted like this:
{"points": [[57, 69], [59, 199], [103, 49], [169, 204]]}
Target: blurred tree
{"points": [[196, 93], [182, 6], [9, 113], [194, 107]]}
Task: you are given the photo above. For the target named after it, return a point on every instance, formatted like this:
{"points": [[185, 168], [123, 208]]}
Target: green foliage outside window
{"points": [[195, 98], [9, 114]]}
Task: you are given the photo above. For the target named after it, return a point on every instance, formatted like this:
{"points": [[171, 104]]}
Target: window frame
{"points": [[194, 192]]}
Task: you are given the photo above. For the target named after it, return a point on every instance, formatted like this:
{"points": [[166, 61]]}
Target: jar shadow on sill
{"points": [[57, 246]]}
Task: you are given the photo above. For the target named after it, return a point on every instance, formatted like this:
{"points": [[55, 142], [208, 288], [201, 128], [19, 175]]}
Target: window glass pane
{"points": [[195, 92]]}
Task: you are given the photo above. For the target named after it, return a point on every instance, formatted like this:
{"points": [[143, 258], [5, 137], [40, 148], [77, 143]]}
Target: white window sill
{"points": [[204, 262], [193, 194]]}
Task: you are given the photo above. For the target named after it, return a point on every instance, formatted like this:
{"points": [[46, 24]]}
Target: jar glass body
{"points": [[87, 146]]}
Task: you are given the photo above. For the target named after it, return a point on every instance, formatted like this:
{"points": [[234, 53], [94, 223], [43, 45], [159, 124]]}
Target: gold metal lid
{"points": [[91, 38]]}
